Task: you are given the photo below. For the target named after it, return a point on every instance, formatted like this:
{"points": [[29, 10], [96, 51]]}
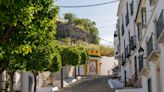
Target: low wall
{"points": [[130, 90]]}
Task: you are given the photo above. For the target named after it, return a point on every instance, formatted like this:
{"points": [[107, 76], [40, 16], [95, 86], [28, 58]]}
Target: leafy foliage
{"points": [[27, 31], [106, 51], [56, 61], [84, 56], [70, 55], [70, 17], [85, 24]]}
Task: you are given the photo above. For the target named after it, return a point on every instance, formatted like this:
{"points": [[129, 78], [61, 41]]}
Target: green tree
{"points": [[86, 24], [89, 26], [106, 51], [11, 69], [56, 64], [44, 58], [27, 34], [70, 17], [70, 55], [84, 56]]}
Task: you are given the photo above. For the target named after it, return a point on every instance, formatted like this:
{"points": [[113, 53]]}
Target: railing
{"points": [[150, 46], [133, 42], [139, 28], [143, 12], [160, 24], [140, 58], [145, 63]]}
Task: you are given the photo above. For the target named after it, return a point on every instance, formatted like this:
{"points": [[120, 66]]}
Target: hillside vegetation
{"points": [[106, 51]]}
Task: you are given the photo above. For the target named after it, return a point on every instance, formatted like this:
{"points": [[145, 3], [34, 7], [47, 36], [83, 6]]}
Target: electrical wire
{"points": [[89, 13], [105, 40], [91, 5]]}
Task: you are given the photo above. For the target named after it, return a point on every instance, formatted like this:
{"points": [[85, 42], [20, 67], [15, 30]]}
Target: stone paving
{"points": [[90, 84]]}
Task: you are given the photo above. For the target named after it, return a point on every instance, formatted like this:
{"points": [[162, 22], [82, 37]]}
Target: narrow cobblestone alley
{"points": [[91, 84]]}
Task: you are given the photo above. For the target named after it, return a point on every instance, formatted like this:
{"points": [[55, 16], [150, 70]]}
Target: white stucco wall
{"points": [[153, 13], [162, 67], [107, 64], [130, 90]]}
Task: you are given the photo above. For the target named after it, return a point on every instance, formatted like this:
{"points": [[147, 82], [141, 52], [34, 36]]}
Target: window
{"points": [[160, 24], [127, 15], [129, 36], [135, 66], [125, 78], [143, 15], [133, 42], [152, 2], [122, 27], [149, 85], [132, 7], [123, 59]]}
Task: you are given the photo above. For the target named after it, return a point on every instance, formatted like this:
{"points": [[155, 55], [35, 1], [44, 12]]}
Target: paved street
{"points": [[91, 84]]}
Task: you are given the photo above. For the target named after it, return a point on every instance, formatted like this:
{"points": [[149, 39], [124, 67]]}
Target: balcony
{"points": [[152, 49], [115, 34], [160, 28], [139, 29], [144, 68], [133, 42], [143, 18], [127, 51]]}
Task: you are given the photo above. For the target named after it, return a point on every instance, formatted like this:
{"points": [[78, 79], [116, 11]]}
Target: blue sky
{"points": [[104, 16]]}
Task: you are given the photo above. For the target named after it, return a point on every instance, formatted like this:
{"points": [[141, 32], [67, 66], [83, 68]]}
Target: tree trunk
{"points": [[35, 82], [79, 70], [12, 81], [0, 81], [75, 72], [3, 65], [61, 79]]}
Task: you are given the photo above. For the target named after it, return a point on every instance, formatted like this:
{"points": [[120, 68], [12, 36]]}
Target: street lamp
{"points": [[141, 52]]}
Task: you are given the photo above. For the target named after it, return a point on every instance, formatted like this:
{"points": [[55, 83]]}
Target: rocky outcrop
{"points": [[71, 31]]}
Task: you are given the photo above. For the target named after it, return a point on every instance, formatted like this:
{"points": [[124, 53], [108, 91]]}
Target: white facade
{"points": [[139, 43], [107, 64]]}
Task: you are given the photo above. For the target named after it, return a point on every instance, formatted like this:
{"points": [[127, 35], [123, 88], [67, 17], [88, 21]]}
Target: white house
{"points": [[139, 43], [107, 65]]}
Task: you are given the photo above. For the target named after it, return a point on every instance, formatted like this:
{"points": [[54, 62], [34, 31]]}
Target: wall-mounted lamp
{"points": [[141, 52]]}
